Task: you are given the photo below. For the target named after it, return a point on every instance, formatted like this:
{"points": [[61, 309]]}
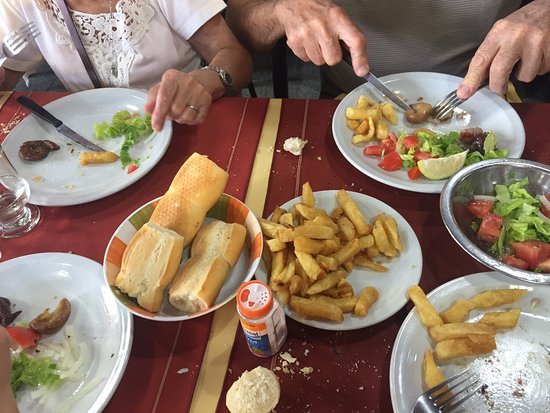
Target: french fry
{"points": [[351, 210], [316, 309], [282, 296], [345, 289], [329, 281], [277, 214], [331, 246], [307, 195], [382, 130], [362, 260], [295, 286], [495, 298], [336, 212], [389, 113], [390, 226], [314, 231], [352, 123], [347, 251], [366, 241], [285, 234], [362, 128], [372, 251], [309, 212], [368, 297], [346, 304], [382, 241], [347, 228], [451, 331], [432, 374], [270, 228], [97, 157], [311, 246], [275, 245], [277, 265], [458, 312], [502, 319], [309, 264], [324, 220], [348, 265], [287, 219], [290, 268], [426, 311], [459, 347], [328, 264]]}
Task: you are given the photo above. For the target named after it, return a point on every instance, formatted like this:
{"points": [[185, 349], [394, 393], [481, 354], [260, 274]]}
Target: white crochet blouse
{"points": [[130, 47]]}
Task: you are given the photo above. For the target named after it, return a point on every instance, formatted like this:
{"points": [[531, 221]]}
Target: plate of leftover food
{"points": [[487, 322], [60, 172], [56, 307], [417, 153], [185, 254], [339, 260]]}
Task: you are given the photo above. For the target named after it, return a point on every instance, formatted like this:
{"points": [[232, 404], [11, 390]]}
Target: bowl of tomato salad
{"points": [[498, 211]]}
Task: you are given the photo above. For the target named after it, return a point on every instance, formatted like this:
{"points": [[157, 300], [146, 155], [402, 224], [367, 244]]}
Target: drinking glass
{"points": [[16, 217]]}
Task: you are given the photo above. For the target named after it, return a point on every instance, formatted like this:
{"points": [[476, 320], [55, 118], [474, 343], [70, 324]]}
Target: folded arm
{"points": [[9, 78], [314, 29], [520, 43]]}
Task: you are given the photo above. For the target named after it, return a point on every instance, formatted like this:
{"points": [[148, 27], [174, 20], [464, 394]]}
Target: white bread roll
{"points": [[194, 190], [256, 391], [149, 264], [216, 248]]}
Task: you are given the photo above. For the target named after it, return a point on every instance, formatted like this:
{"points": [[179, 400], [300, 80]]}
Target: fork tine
{"points": [[448, 109], [463, 399], [453, 395], [433, 390], [445, 100]]}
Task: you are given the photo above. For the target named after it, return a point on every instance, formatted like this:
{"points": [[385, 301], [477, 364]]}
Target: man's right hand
{"points": [[314, 29]]}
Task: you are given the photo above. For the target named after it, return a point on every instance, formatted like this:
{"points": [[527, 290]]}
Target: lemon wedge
{"points": [[442, 168]]}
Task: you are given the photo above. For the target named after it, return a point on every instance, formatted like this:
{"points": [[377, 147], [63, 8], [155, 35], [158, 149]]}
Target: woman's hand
{"points": [[179, 97]]}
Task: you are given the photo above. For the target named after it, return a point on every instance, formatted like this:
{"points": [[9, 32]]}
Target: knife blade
{"points": [[373, 80], [58, 124]]}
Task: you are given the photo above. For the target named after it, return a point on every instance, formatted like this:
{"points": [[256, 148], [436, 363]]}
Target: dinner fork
{"points": [[17, 40], [440, 399], [445, 107]]}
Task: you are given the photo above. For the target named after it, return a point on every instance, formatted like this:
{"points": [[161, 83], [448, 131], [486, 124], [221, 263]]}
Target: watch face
{"points": [[226, 77]]}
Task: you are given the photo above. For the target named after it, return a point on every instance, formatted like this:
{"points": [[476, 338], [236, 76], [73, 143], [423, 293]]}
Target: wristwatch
{"points": [[224, 77]]}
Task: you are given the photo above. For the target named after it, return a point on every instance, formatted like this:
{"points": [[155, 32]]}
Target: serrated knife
{"points": [[58, 124]]}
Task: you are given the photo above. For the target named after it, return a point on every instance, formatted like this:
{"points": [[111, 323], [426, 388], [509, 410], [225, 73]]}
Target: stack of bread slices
{"points": [[151, 261]]}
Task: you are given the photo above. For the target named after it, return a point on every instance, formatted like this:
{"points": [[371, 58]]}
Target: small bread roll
{"points": [[256, 391]]}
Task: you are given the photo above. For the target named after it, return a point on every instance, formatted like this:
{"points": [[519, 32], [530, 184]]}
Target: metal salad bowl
{"points": [[480, 179]]}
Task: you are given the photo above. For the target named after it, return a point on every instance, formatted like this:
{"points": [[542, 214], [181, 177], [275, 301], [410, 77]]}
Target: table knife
{"points": [[373, 80], [58, 124]]}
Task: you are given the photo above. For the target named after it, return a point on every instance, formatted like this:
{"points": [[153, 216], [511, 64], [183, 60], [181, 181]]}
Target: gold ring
{"points": [[192, 107]]}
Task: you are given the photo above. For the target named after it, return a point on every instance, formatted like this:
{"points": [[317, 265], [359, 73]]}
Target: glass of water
{"points": [[16, 217]]}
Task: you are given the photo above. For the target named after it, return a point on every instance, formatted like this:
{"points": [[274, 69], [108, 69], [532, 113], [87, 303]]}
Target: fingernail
{"points": [[464, 91], [362, 71]]}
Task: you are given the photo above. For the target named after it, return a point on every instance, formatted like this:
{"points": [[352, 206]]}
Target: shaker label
{"points": [[257, 338]]}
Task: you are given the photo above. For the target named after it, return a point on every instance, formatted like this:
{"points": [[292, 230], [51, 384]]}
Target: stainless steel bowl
{"points": [[480, 179]]}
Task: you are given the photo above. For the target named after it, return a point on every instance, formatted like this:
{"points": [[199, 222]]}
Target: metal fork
{"points": [[439, 399], [17, 40], [445, 107]]}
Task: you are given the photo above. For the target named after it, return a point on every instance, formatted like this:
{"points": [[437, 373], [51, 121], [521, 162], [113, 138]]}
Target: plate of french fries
{"points": [[486, 322], [339, 260], [366, 117]]}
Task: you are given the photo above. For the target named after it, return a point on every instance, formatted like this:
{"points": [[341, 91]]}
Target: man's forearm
{"points": [[10, 79], [255, 23]]}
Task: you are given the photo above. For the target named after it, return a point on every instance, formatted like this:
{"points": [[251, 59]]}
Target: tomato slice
{"points": [[515, 262], [388, 145], [131, 168], [479, 208], [414, 173], [545, 211], [391, 162], [419, 155], [375, 150], [489, 229], [532, 252], [544, 266], [410, 142], [23, 336]]}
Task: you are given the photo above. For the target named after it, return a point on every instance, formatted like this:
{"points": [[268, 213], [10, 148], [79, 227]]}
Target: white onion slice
{"points": [[485, 198], [541, 215], [544, 201]]}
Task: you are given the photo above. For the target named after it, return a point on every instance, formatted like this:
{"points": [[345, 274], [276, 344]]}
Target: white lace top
{"points": [[130, 47]]}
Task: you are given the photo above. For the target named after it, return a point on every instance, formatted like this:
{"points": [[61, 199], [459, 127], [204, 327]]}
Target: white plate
{"points": [[518, 354], [487, 111], [39, 281], [403, 271], [59, 179]]}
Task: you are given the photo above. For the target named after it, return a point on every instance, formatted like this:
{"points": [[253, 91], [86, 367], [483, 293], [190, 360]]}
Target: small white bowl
{"points": [[227, 209]]}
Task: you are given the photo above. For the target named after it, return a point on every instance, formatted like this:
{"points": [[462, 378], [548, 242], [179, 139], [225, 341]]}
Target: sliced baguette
{"points": [[216, 248], [149, 264]]}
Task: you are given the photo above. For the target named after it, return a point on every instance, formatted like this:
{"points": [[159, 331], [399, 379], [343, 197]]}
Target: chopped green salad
{"points": [[33, 372], [132, 127]]}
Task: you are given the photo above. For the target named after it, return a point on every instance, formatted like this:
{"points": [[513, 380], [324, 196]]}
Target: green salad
{"points": [[131, 126]]}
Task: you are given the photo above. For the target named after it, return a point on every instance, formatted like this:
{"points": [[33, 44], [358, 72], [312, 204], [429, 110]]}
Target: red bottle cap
{"points": [[254, 299]]}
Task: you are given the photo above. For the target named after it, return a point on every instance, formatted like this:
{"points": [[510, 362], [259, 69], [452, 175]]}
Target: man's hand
{"points": [[2, 77], [522, 39], [179, 97], [314, 29]]}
